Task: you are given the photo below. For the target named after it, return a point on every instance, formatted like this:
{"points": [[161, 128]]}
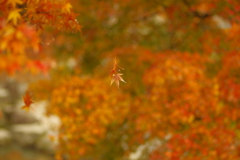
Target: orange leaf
{"points": [[27, 101], [117, 77]]}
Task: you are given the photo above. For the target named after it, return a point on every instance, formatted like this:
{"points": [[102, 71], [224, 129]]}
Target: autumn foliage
{"points": [[181, 62], [22, 23]]}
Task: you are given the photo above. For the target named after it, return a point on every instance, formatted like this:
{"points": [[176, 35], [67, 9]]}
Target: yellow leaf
{"points": [[191, 118], [67, 8], [27, 108], [14, 2], [14, 16]]}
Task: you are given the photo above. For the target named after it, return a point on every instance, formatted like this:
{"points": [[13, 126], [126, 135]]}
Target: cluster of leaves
{"points": [[81, 102], [22, 23], [181, 61], [191, 111]]}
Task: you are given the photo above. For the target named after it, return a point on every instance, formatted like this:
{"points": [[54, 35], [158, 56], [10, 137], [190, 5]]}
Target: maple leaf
{"points": [[67, 8], [116, 78], [14, 16], [27, 101]]}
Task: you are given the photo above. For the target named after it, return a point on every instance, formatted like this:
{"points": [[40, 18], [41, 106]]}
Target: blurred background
{"points": [[181, 61]]}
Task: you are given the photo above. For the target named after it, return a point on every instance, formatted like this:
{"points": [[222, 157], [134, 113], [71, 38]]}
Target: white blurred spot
{"points": [[222, 23]]}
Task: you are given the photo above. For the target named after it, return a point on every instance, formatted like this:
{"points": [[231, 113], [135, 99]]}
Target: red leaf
{"points": [[27, 101]]}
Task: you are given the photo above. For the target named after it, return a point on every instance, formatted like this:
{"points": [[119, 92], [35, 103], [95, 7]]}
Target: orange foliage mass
{"points": [[187, 107], [91, 106]]}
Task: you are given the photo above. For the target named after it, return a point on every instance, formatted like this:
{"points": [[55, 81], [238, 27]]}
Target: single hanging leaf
{"points": [[116, 78], [27, 101]]}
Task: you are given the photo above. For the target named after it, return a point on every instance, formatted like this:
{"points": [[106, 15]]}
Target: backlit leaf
{"points": [[14, 16]]}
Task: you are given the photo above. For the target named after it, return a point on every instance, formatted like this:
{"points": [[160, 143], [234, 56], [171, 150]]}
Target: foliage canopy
{"points": [[181, 61]]}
